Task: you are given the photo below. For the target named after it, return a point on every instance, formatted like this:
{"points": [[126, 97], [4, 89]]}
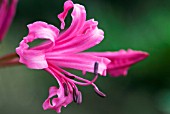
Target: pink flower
{"points": [[65, 50], [121, 60], [7, 12]]}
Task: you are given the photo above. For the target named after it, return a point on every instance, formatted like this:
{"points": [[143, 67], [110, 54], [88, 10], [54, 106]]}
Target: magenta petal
{"points": [[78, 19], [36, 58], [52, 92], [59, 99], [67, 6], [84, 62], [87, 37], [7, 13], [3, 11], [32, 59], [121, 60], [42, 30], [81, 34]]}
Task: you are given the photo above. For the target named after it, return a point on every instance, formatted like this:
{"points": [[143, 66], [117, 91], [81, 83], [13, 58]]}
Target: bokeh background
{"points": [[136, 24]]}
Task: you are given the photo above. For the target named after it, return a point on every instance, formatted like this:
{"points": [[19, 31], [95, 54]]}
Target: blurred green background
{"points": [[136, 24]]}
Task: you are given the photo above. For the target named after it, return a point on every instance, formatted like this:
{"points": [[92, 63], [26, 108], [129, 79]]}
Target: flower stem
{"points": [[9, 64], [11, 59], [8, 57]]}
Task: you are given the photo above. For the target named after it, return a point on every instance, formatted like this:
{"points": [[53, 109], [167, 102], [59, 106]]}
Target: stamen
{"points": [[74, 95], [86, 82], [98, 92], [79, 98], [96, 65], [66, 91], [68, 76]]}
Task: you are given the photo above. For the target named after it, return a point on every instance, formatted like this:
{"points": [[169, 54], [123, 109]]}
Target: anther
{"points": [[66, 91], [98, 92], [74, 95], [79, 98], [96, 65]]}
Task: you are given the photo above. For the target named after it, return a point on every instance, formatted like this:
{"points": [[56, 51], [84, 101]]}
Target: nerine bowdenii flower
{"points": [[65, 50], [7, 12]]}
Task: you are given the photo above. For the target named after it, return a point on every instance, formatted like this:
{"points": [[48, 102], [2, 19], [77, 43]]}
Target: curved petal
{"points": [[81, 34], [88, 37], [84, 62], [78, 18], [52, 92], [121, 60], [7, 13], [32, 57], [42, 30], [58, 102], [3, 11], [67, 6], [61, 99]]}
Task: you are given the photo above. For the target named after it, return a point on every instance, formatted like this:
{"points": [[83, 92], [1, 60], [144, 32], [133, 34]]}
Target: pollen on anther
{"points": [[66, 91], [74, 95], [79, 98], [96, 65]]}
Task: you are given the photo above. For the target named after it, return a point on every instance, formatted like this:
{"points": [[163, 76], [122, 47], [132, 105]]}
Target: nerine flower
{"points": [[7, 12], [65, 50]]}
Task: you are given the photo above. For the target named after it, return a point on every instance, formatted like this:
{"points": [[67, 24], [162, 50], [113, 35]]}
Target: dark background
{"points": [[136, 24]]}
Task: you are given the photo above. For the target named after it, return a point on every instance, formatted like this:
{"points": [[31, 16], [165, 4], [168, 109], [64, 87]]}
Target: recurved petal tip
{"points": [[67, 6], [136, 56]]}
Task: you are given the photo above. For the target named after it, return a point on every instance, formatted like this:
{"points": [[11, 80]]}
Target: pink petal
{"points": [[118, 72], [121, 60], [3, 11], [78, 17], [84, 62], [6, 13], [42, 30], [61, 99], [36, 58], [87, 37], [67, 6], [81, 34], [32, 58], [52, 92]]}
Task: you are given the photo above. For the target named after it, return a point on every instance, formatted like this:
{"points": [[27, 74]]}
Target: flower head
{"points": [[7, 12], [65, 50]]}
